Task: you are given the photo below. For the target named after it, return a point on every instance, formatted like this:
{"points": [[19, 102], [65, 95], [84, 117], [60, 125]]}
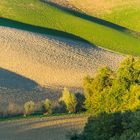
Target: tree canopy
{"points": [[109, 91]]}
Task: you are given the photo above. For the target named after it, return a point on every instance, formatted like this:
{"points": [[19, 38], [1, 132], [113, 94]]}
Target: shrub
{"points": [[70, 100], [80, 102], [112, 126], [47, 106], [59, 107], [114, 92], [29, 108]]}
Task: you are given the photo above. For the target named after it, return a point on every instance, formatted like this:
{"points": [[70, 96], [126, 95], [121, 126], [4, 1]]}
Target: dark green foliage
{"points": [[59, 108], [114, 126], [103, 126], [80, 102]]}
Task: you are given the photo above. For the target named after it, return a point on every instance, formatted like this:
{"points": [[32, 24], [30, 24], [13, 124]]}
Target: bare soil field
{"points": [[52, 128], [51, 61], [29, 61], [97, 6]]}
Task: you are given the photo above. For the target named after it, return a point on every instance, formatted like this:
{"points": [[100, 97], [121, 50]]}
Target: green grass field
{"points": [[95, 31], [123, 12], [128, 17]]}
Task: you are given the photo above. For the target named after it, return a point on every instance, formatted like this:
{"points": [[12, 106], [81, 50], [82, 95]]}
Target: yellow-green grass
{"points": [[94, 30], [122, 12]]}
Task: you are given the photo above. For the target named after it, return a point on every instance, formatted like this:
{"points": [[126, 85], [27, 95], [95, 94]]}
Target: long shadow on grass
{"points": [[95, 19], [13, 80], [37, 29]]}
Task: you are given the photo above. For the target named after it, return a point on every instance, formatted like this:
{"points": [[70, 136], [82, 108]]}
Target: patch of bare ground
{"points": [[52, 128], [97, 7], [49, 61]]}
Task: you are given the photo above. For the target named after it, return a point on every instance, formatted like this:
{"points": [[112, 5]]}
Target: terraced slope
{"points": [[52, 128], [96, 31], [123, 12]]}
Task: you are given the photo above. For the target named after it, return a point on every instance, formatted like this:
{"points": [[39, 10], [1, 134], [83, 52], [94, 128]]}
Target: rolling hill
{"points": [[30, 60], [49, 60], [45, 47], [55, 47], [96, 31], [123, 12]]}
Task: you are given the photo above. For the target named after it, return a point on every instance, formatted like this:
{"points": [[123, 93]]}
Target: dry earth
{"points": [[28, 60], [51, 61], [53, 128], [97, 7]]}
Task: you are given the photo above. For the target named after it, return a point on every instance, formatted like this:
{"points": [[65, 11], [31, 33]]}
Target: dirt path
{"points": [[53, 128]]}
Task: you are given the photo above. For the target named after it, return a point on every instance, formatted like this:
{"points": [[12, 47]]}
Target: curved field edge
{"points": [[55, 18], [49, 60], [122, 12], [42, 128]]}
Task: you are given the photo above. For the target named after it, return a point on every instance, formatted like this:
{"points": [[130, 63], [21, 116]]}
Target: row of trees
{"points": [[69, 102], [29, 107]]}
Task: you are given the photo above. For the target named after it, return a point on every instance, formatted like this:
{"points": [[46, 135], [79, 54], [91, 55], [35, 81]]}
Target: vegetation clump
{"points": [[70, 100], [47, 106], [111, 126], [113, 99], [29, 108], [113, 92]]}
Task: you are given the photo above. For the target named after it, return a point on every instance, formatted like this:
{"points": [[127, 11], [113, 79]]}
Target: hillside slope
{"points": [[51, 61], [123, 12], [96, 31]]}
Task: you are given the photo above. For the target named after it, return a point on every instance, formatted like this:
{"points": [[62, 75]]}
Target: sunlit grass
{"points": [[37, 13]]}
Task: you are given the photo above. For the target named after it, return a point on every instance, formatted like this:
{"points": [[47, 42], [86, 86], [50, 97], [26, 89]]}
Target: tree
{"points": [[113, 92], [111, 126], [47, 106], [114, 99], [70, 100], [95, 88], [29, 108]]}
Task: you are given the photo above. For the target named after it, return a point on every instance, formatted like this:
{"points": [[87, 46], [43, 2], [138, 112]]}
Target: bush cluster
{"points": [[110, 91], [113, 99], [112, 126], [69, 102]]}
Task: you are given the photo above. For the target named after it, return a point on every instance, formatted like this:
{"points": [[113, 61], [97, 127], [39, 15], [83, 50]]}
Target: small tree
{"points": [[70, 100], [47, 106], [29, 108]]}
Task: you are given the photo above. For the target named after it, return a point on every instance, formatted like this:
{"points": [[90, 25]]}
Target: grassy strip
{"points": [[36, 29], [35, 116], [94, 31]]}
